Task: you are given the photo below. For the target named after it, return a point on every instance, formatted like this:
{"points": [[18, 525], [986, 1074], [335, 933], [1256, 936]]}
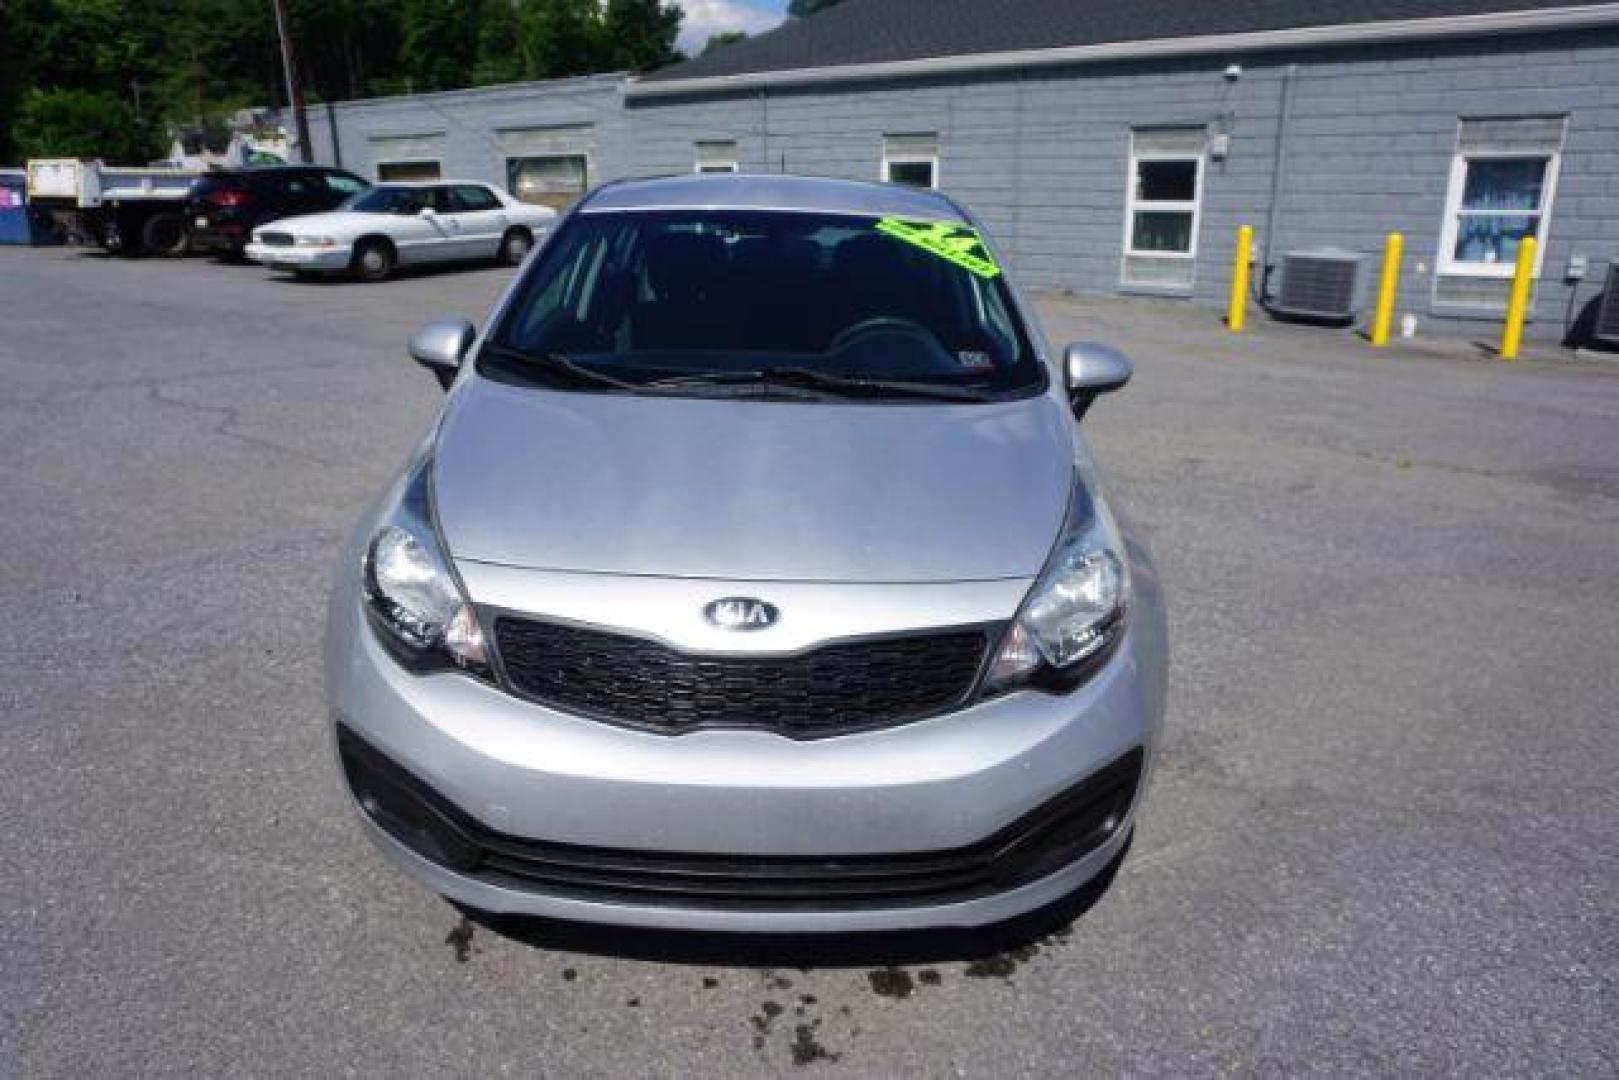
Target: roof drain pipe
{"points": [[764, 130], [337, 145], [1278, 175]]}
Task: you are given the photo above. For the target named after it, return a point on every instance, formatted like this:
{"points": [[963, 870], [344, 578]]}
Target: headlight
{"points": [[1075, 612], [411, 594], [314, 241]]}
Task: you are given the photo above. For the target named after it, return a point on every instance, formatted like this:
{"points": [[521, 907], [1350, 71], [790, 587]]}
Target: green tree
{"points": [[803, 9], [502, 57], [180, 60], [84, 123], [95, 44], [194, 68], [438, 44], [189, 63], [346, 46], [19, 34], [639, 35], [564, 37], [722, 39]]}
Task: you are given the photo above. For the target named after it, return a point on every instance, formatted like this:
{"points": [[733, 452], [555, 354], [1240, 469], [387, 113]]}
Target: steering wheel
{"points": [[884, 325]]}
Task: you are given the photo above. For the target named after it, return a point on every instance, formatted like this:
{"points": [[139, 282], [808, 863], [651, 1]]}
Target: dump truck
{"points": [[129, 210]]}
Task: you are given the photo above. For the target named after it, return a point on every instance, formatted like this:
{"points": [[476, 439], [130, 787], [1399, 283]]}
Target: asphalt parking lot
{"points": [[1382, 838]]}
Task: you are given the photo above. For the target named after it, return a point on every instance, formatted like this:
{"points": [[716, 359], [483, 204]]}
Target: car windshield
{"points": [[385, 199], [766, 302]]}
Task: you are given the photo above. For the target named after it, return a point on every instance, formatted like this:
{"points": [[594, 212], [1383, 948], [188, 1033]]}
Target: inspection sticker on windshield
{"points": [[954, 243]]}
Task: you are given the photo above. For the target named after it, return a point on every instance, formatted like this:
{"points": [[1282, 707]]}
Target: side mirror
{"points": [[441, 346], [1093, 369], [427, 211]]}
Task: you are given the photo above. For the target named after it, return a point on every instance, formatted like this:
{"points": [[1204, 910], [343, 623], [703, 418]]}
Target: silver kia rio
{"points": [[755, 576]]}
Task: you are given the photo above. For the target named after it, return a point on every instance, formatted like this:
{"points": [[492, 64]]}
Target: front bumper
{"points": [[297, 258], [554, 815], [1089, 817], [216, 236]]}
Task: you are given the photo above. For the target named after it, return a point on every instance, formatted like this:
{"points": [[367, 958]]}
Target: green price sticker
{"points": [[953, 243]]}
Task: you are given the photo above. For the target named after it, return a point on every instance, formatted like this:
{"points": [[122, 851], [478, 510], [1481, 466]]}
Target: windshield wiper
{"points": [[561, 367], [810, 379]]}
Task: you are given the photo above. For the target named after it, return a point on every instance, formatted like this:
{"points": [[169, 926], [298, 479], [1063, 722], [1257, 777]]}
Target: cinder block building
{"points": [[1116, 147]]}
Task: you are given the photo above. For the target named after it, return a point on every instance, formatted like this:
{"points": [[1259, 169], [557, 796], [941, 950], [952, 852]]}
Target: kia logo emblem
{"points": [[741, 613]]}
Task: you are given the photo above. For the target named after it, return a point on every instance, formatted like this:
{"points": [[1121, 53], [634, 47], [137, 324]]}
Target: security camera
{"points": [[1233, 72]]}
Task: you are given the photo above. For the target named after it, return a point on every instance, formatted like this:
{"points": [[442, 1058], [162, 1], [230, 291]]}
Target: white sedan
{"points": [[393, 225]]}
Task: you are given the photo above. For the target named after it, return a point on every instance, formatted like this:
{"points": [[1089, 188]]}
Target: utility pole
{"points": [[295, 94]]}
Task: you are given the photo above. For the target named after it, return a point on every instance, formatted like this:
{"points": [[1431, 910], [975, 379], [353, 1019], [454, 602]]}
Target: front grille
{"points": [[832, 690], [275, 239], [1055, 835]]}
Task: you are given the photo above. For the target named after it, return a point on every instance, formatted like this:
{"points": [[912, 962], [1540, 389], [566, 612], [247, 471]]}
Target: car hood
{"points": [[751, 490], [340, 222]]}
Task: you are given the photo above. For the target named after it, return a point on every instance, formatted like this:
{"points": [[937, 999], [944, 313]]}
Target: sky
{"points": [[708, 17]]}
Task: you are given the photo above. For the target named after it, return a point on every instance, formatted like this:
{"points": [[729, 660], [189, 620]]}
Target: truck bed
{"points": [[89, 184]]}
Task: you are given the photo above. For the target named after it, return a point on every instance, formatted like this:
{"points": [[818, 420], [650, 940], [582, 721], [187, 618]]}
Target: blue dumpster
{"points": [[19, 224]]}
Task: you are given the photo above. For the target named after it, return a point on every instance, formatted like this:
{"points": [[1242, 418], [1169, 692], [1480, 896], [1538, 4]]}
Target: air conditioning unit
{"points": [[1319, 284], [1607, 325]]}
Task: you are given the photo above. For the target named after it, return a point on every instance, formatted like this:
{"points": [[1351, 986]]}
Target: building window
{"points": [[408, 171], [911, 159], [717, 157], [548, 180], [1163, 206], [407, 157], [1502, 180], [547, 166]]}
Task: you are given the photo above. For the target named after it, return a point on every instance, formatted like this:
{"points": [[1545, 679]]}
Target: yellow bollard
{"points": [[1387, 289], [1518, 303], [1238, 308]]}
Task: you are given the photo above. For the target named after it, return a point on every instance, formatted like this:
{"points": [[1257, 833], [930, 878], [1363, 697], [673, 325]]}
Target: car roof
{"points": [[432, 183], [291, 166], [746, 191]]}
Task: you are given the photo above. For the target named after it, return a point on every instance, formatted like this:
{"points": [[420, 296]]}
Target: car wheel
{"points": [[164, 234], [373, 260], [514, 246]]}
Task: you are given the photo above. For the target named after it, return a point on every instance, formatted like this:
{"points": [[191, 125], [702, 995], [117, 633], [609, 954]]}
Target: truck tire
{"points": [[115, 234], [164, 234]]}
